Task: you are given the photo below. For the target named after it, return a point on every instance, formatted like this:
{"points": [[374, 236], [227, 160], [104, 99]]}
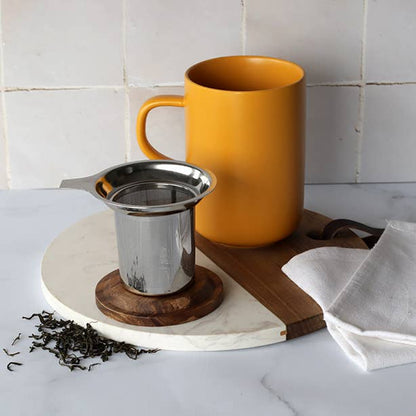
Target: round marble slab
{"points": [[79, 257]]}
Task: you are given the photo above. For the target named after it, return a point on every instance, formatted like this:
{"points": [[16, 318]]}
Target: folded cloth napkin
{"points": [[368, 296]]}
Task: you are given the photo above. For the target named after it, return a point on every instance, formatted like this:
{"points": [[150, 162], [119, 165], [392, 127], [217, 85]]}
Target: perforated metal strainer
{"points": [[154, 204]]}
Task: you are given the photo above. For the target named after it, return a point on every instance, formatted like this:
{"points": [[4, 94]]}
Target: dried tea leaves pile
{"points": [[72, 344]]}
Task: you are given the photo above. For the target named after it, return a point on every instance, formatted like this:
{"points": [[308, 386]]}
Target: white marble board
{"points": [[80, 256]]}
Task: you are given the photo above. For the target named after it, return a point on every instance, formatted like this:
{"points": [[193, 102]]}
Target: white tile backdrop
{"points": [[74, 74], [164, 37], [323, 35], [61, 134]]}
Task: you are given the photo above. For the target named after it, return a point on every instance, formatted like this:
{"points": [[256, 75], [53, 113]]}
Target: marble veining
{"points": [[265, 383]]}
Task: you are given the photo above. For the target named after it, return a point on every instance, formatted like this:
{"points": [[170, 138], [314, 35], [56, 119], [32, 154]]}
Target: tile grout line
{"points": [[360, 124], [382, 83], [157, 85], [180, 84], [92, 87], [334, 84], [243, 27], [64, 88], [359, 184], [3, 103], [127, 145]]}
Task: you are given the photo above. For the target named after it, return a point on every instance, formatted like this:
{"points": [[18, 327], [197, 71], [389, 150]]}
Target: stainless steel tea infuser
{"points": [[153, 202]]}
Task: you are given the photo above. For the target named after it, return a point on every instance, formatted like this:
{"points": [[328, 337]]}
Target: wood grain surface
{"points": [[198, 299], [258, 270]]}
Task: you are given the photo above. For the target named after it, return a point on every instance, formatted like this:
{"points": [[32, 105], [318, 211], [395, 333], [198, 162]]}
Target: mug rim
{"points": [[246, 57]]}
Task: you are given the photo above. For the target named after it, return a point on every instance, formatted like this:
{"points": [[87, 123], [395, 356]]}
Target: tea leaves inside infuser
{"points": [[152, 194]]}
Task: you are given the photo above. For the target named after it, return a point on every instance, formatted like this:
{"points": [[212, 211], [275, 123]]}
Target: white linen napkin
{"points": [[368, 296]]}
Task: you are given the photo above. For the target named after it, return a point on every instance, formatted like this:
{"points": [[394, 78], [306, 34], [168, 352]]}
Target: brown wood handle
{"points": [[334, 227]]}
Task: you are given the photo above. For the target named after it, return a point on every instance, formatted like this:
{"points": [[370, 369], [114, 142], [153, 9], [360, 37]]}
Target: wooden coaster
{"points": [[201, 297], [258, 270]]}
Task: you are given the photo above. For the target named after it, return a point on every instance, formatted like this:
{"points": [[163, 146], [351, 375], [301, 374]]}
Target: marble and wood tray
{"points": [[261, 305], [258, 270]]}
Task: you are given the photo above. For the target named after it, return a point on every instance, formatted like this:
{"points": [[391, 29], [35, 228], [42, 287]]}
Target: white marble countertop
{"points": [[306, 376]]}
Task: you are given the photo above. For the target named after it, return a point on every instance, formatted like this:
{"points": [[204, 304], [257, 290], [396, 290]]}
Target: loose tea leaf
{"points": [[72, 344], [17, 338], [12, 363], [9, 353], [92, 365]]}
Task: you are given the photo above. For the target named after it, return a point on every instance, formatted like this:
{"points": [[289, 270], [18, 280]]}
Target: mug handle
{"points": [[157, 101]]}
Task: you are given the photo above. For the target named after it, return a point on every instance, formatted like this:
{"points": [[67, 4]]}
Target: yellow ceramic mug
{"points": [[245, 118]]}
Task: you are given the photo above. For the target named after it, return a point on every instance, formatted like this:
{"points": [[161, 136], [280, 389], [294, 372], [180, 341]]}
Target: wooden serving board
{"points": [[258, 270]]}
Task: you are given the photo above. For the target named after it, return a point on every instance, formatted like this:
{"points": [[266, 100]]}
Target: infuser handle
{"points": [[157, 101], [84, 184]]}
